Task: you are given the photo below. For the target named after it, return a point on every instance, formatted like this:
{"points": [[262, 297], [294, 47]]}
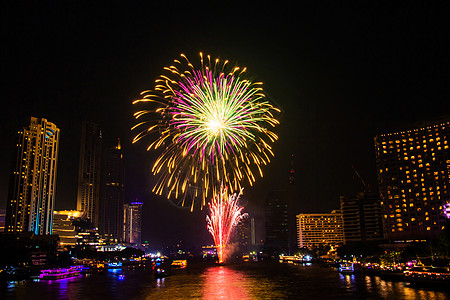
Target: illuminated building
{"points": [[413, 169], [89, 239], [276, 221], [362, 218], [63, 226], [32, 187], [111, 224], [2, 219], [243, 235], [132, 222], [89, 171], [315, 230]]}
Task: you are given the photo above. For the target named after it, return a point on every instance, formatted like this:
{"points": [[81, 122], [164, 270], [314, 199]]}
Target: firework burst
{"points": [[212, 124], [224, 215]]}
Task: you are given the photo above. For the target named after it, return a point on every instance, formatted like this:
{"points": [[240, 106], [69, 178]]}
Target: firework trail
{"points": [[212, 125], [224, 215]]}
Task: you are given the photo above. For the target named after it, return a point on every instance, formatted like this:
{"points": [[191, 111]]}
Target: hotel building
{"points": [[320, 229], [414, 180], [32, 185]]}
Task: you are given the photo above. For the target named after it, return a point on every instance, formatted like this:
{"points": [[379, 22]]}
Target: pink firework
{"points": [[224, 214]]}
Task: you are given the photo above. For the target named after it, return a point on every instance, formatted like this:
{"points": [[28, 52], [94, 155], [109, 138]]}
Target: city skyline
{"points": [[371, 71]]}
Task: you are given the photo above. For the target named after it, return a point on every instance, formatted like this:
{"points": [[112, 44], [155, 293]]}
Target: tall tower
{"points": [[112, 200], [32, 186], [132, 222], [276, 222], [243, 235], [414, 180], [89, 171], [292, 171]]}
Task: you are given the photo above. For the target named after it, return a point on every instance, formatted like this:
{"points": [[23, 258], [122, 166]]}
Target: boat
{"points": [[427, 275], [347, 268], [92, 267], [114, 265], [59, 273], [159, 272], [179, 264], [158, 268]]}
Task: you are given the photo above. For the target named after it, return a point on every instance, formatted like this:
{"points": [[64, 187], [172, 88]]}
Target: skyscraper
{"points": [[132, 222], [111, 224], [414, 180], [276, 221], [89, 171], [31, 195], [243, 235]]}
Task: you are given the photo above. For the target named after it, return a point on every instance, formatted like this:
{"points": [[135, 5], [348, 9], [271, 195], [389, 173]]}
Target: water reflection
{"points": [[348, 281], [221, 282], [247, 281], [160, 283]]}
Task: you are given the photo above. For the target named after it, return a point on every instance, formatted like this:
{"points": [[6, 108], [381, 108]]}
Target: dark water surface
{"points": [[240, 281]]}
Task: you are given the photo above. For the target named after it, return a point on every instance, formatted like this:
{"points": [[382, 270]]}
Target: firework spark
{"points": [[212, 124], [224, 215]]}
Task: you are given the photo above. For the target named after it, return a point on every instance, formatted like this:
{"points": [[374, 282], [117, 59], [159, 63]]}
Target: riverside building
{"points": [[315, 230], [414, 180], [362, 218]]}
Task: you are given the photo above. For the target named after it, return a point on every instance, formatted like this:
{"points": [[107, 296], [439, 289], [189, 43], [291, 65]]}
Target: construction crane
{"points": [[359, 176]]}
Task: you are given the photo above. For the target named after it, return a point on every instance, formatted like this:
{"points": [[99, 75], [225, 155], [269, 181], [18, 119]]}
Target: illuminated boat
{"points": [[432, 275], [158, 267], [52, 274], [346, 268], [114, 265], [180, 264], [159, 272]]}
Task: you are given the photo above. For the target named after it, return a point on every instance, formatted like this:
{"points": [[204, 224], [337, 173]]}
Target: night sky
{"points": [[341, 73]]}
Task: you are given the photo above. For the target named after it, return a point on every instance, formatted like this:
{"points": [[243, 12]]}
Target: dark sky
{"points": [[342, 73]]}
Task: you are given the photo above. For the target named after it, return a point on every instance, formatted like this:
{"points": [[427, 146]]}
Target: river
{"points": [[252, 280]]}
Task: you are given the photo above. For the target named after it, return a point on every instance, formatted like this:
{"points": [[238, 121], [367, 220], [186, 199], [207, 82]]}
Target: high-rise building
{"points": [[252, 232], [315, 230], [31, 195], [89, 172], [111, 224], [413, 169], [243, 235], [132, 222], [362, 218], [276, 221]]}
